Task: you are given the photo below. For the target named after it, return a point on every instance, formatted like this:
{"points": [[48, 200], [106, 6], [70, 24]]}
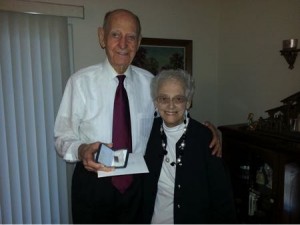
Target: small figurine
{"points": [[251, 123], [269, 175], [260, 178]]}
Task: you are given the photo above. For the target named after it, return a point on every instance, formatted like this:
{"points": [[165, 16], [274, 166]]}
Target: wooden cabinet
{"points": [[265, 173]]}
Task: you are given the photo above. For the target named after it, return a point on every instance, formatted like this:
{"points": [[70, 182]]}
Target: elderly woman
{"points": [[186, 183]]}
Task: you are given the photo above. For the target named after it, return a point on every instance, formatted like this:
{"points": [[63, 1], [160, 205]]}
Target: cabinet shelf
{"points": [[257, 163]]}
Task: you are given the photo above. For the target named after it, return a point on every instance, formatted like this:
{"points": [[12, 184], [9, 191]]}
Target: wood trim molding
{"points": [[44, 8]]}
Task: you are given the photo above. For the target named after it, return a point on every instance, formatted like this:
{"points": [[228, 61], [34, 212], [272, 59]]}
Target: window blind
{"points": [[33, 60]]}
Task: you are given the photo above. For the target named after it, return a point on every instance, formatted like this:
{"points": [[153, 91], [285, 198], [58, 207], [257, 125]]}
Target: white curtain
{"points": [[33, 61]]}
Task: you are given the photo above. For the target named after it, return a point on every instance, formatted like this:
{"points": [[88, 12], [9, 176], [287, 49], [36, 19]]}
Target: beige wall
{"points": [[236, 60], [253, 76]]}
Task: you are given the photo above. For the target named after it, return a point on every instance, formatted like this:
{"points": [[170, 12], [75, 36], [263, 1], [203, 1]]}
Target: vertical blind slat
{"points": [[4, 178], [6, 212], [19, 109], [13, 175]]}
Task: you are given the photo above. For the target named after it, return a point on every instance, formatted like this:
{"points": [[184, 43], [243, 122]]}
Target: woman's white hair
{"points": [[180, 75]]}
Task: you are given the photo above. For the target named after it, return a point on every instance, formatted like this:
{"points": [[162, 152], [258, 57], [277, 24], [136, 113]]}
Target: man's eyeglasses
{"points": [[177, 100]]}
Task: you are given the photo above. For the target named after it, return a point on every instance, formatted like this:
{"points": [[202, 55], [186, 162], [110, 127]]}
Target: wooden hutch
{"points": [[264, 161]]}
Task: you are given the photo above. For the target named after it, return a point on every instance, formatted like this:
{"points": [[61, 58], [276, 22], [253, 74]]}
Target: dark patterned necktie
{"points": [[121, 134]]}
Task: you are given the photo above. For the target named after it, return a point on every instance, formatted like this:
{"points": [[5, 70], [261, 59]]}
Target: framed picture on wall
{"points": [[156, 54]]}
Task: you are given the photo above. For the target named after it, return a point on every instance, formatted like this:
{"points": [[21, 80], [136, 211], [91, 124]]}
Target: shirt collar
{"points": [[112, 73]]}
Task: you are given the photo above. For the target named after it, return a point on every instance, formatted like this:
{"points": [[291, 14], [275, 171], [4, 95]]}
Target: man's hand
{"points": [[86, 153], [216, 143]]}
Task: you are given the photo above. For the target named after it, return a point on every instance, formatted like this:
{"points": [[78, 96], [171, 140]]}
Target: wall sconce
{"points": [[290, 51]]}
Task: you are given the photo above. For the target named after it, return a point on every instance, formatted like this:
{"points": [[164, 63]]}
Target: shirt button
{"points": [[178, 206], [179, 186]]}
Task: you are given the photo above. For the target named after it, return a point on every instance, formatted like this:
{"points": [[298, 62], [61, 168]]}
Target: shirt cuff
{"points": [[72, 154]]}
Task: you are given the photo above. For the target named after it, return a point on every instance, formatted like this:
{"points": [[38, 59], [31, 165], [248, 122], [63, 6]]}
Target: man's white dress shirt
{"points": [[86, 110]]}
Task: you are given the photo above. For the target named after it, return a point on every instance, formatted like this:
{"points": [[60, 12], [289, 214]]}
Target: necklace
{"points": [[181, 146]]}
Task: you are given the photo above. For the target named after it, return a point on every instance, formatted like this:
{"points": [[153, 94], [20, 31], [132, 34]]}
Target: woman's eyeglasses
{"points": [[177, 100]]}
